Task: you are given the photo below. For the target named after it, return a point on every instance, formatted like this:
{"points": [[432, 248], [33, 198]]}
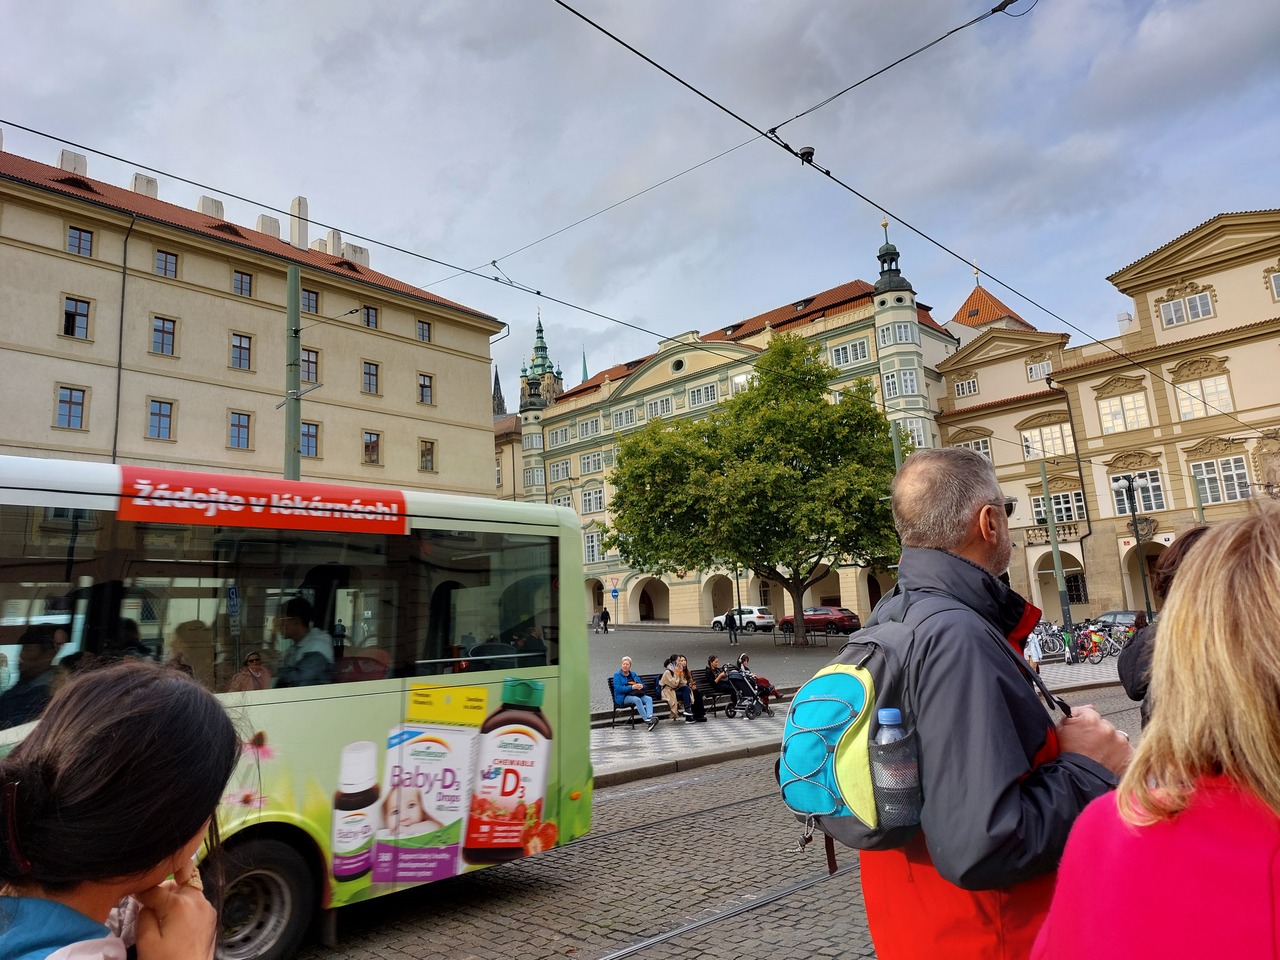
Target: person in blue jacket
{"points": [[628, 688]]}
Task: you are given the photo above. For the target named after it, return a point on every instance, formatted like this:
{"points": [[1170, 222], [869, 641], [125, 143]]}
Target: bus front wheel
{"points": [[270, 899]]}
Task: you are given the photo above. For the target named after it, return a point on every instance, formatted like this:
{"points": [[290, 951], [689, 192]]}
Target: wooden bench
{"points": [[652, 686]]}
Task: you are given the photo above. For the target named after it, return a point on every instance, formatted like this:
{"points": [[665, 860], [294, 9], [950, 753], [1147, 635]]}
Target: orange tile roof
{"points": [[983, 307], [998, 403], [615, 373], [57, 180]]}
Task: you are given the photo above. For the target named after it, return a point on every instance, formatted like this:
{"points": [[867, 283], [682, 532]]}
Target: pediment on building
{"points": [[679, 365], [1001, 343], [1132, 460], [1197, 368], [969, 434], [1058, 483], [1046, 419], [1118, 386], [1215, 245], [1214, 447]]}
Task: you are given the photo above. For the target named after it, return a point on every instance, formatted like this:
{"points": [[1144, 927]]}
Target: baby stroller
{"points": [[748, 697]]}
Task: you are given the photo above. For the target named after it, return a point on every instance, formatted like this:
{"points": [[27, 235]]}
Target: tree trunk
{"points": [[796, 589]]}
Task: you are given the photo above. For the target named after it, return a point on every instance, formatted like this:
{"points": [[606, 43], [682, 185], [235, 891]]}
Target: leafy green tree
{"points": [[778, 479]]}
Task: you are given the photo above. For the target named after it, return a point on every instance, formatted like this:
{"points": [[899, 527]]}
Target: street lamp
{"points": [[1126, 484]]}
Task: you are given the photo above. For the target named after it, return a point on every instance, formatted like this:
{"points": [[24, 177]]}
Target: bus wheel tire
{"points": [[270, 900]]}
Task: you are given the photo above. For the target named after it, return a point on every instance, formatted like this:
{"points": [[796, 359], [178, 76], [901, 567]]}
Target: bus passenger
{"points": [[36, 677], [309, 660], [111, 793]]}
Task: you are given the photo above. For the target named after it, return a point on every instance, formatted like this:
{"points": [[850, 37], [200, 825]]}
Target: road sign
{"points": [[233, 600], [614, 593]]}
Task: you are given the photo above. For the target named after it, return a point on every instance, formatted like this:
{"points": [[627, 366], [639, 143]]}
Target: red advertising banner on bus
{"points": [[178, 496]]}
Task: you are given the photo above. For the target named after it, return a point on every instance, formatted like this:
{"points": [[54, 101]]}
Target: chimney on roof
{"points": [[356, 254], [269, 225], [145, 185], [298, 223], [73, 162], [1124, 318], [210, 207], [333, 240], [319, 246]]}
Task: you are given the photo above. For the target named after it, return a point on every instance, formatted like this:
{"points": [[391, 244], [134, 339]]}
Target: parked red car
{"points": [[823, 620]]}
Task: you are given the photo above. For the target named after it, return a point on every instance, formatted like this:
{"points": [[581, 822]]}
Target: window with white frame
{"points": [[534, 476], [590, 463], [982, 445], [906, 332], [557, 436], [1128, 412], [1067, 507], [740, 382], [564, 500], [910, 384], [967, 388], [658, 408], [884, 336], [889, 385], [591, 552], [1198, 306], [497, 471], [1038, 371], [915, 430], [702, 395], [1203, 398], [1051, 441], [1275, 286], [1148, 498], [1221, 481], [847, 354], [588, 428], [531, 441], [593, 500], [559, 470], [624, 418]]}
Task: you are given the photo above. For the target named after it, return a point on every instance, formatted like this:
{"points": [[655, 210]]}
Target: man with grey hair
{"points": [[1002, 783]]}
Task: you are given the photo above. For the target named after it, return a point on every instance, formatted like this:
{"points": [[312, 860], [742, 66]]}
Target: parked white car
{"points": [[750, 619]]}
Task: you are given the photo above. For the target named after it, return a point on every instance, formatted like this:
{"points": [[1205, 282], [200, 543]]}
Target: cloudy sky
{"points": [[1053, 148]]}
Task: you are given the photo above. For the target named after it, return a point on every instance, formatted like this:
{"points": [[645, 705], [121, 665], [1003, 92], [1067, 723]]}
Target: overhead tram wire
{"points": [[708, 347], [773, 137]]}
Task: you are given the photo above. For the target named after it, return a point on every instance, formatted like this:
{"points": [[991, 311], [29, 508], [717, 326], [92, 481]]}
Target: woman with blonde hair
{"points": [[1192, 835]]}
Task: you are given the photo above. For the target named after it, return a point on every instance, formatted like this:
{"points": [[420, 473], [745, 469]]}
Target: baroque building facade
{"points": [[144, 332]]}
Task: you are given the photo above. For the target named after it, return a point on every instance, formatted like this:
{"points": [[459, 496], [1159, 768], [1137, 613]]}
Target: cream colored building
{"points": [[570, 436], [139, 331], [1182, 399]]}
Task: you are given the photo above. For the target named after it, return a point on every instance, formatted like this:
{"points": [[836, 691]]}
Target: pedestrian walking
{"points": [[731, 624], [604, 620]]}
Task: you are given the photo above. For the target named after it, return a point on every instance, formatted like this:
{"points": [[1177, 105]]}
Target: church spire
{"points": [[499, 403]]}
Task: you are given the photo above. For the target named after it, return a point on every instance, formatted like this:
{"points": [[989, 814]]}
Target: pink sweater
{"points": [[1204, 884]]}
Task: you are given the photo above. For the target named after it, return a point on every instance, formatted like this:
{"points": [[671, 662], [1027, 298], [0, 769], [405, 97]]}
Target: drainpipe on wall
{"points": [[124, 276]]}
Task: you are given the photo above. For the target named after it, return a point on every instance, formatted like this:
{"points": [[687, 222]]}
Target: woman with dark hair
{"points": [[111, 793], [764, 688], [1134, 662]]}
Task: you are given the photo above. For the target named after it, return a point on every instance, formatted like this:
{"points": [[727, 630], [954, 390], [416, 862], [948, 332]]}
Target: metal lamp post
{"points": [[1126, 484]]}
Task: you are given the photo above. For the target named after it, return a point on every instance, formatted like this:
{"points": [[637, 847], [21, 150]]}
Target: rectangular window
{"points": [[701, 396], [497, 471], [1052, 441], [566, 500], [1067, 507], [884, 336], [424, 388], [309, 439], [560, 470], [160, 419], [915, 430], [1077, 589], [1221, 481], [909, 383], [534, 477], [741, 382], [982, 445], [242, 284], [1203, 398], [424, 331], [590, 463], [370, 317], [591, 548], [80, 242], [1148, 498], [1038, 371], [558, 436], [967, 388], [75, 318], [593, 500], [372, 441], [588, 428], [163, 332], [1198, 306], [1124, 413], [241, 351], [427, 456], [906, 333], [71, 408], [309, 365], [368, 377], [840, 356], [1275, 286], [531, 441], [889, 385], [310, 301], [624, 418], [658, 408], [238, 432], [166, 264]]}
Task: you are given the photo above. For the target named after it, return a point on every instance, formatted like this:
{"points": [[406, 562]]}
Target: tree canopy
{"points": [[778, 479]]}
